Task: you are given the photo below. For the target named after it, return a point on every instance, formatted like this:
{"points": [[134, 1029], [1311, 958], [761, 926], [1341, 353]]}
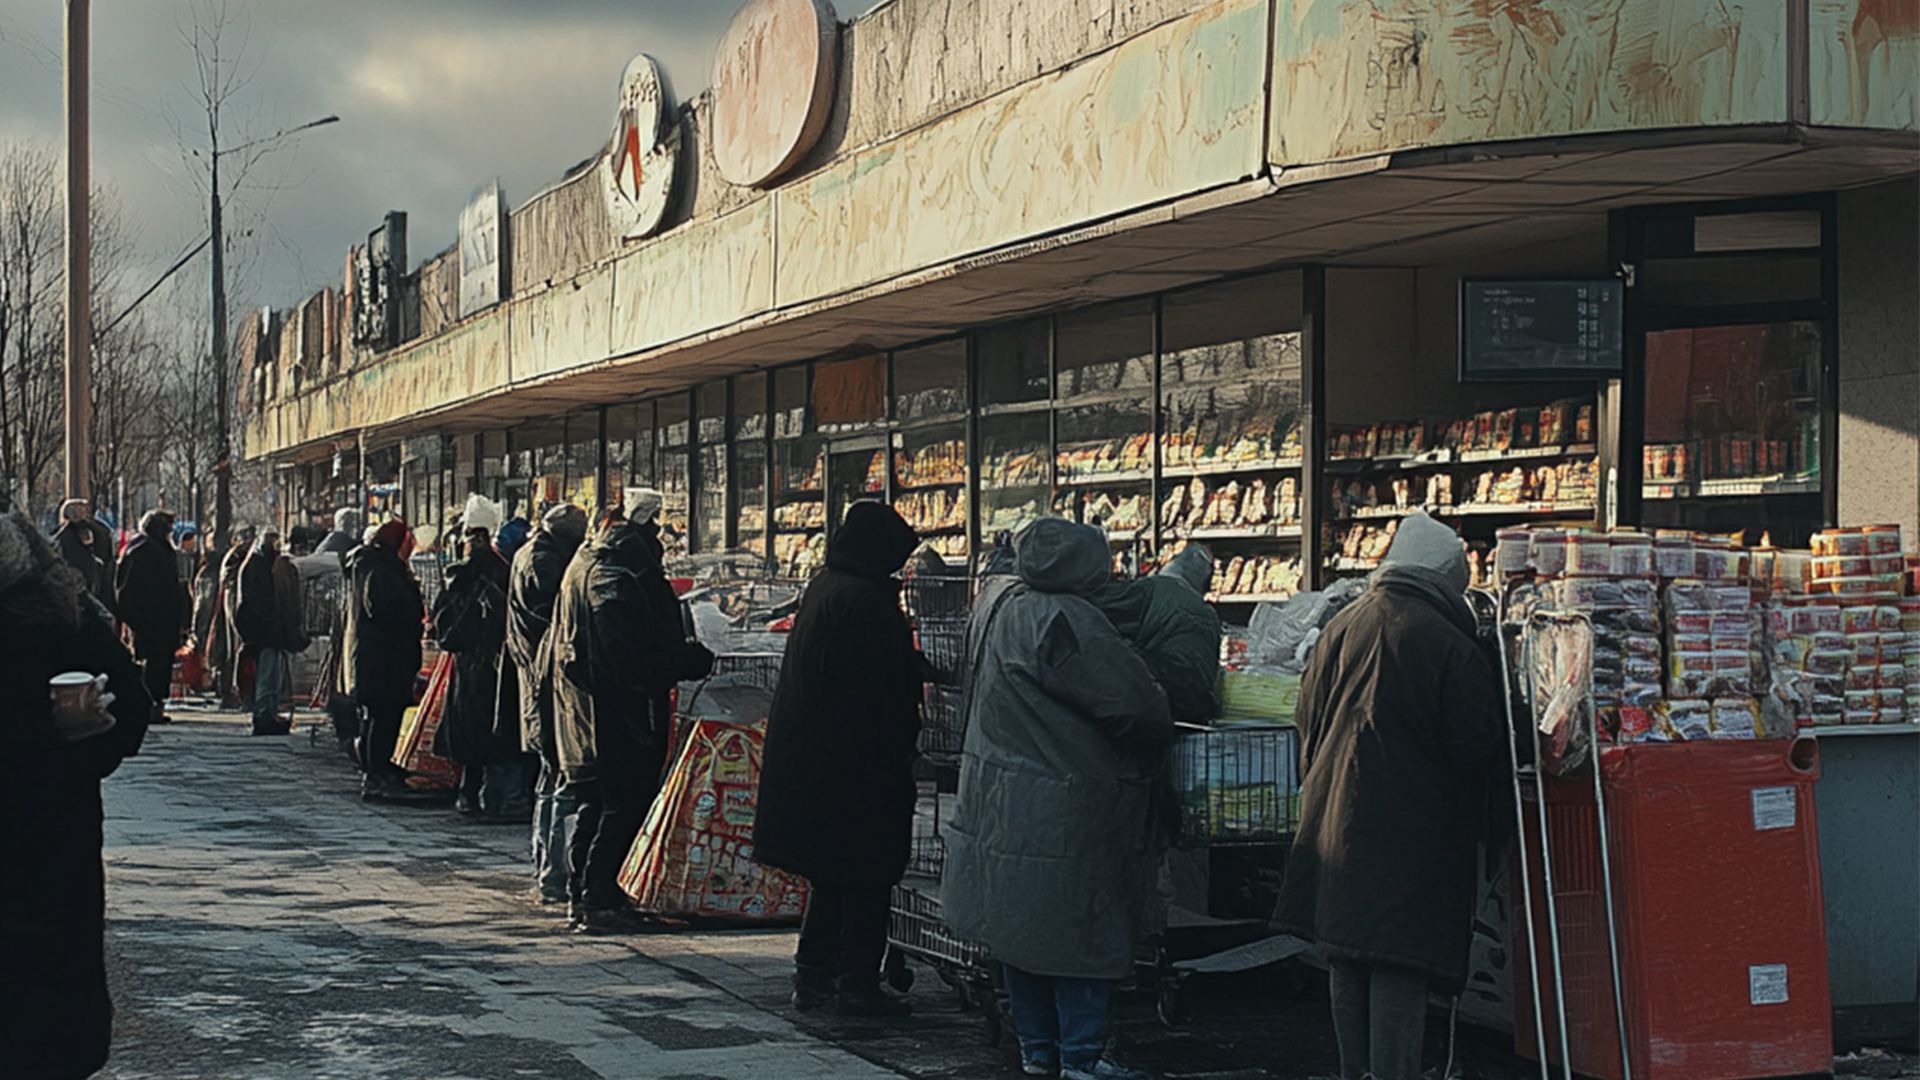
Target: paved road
{"points": [[265, 924]]}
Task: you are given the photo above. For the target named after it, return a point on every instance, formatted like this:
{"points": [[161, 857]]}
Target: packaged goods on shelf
{"points": [[1203, 503], [1013, 468], [800, 554], [1199, 433], [1394, 439], [943, 462], [1120, 512], [1128, 455], [1255, 575], [1363, 542], [933, 510], [805, 514], [1010, 515]]}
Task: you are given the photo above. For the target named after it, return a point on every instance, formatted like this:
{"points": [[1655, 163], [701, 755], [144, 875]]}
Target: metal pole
{"points": [[223, 441], [79, 249]]}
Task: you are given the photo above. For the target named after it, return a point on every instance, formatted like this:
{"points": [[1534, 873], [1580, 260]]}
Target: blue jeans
{"points": [[553, 810], [1057, 1017], [503, 788], [272, 675]]}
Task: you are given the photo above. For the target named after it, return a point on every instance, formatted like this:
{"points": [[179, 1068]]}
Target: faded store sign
{"points": [[773, 80], [483, 247], [641, 159], [378, 268], [1354, 78], [1865, 60]]}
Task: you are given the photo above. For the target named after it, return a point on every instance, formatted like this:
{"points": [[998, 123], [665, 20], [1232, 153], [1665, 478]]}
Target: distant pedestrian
{"points": [[272, 627], [1400, 740], [617, 648], [345, 535], [534, 586], [186, 553], [1048, 850], [1165, 616], [381, 650], [56, 1019], [469, 619], [224, 654], [87, 545], [154, 604]]}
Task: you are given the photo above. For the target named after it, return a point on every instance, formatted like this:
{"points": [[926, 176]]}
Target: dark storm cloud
{"points": [[436, 97]]}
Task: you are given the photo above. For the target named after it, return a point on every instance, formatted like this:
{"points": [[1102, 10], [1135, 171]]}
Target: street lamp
{"points": [[222, 465]]}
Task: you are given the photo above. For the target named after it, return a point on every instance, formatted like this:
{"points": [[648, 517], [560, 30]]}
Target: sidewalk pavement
{"points": [[263, 923]]}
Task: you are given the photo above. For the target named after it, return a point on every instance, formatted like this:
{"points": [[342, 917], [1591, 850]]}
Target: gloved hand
{"points": [[699, 661]]}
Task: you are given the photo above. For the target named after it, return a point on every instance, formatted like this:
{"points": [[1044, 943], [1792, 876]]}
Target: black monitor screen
{"points": [[1540, 329]]}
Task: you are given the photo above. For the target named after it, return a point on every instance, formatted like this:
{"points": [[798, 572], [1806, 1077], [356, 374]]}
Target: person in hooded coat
{"points": [[533, 588], [380, 647], [469, 619], [87, 546], [56, 1019], [153, 603], [270, 622], [1400, 740], [836, 774], [1166, 616], [343, 538], [616, 649], [223, 641], [1048, 850]]}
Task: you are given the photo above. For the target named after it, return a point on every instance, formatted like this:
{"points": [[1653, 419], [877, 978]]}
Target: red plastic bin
{"points": [[1716, 882]]}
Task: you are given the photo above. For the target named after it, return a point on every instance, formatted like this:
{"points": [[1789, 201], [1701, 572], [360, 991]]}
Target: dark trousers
{"points": [[156, 668], [379, 731], [843, 936], [1379, 1019], [611, 809]]}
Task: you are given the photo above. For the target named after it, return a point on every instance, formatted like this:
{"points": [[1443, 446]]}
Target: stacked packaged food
{"points": [[1202, 504], [943, 462], [933, 510]]}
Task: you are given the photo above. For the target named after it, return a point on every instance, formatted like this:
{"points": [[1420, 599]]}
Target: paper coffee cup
{"points": [[71, 690]]}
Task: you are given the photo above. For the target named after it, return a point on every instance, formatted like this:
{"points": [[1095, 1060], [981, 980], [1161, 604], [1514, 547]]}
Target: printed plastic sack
{"points": [[694, 855], [413, 751]]}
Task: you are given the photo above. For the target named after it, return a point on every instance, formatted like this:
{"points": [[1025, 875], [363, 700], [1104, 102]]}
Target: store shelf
{"points": [[1346, 565], [1268, 532], [1861, 729], [1345, 465], [799, 496], [1249, 598], [1099, 479], [939, 530], [797, 530], [1016, 408], [1494, 457], [1123, 536], [1141, 395], [1377, 513], [1218, 468], [1040, 485], [1732, 489], [933, 485]]}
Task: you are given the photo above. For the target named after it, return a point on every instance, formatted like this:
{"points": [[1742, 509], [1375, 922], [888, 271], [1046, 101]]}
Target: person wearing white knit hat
{"points": [[469, 620], [642, 504]]}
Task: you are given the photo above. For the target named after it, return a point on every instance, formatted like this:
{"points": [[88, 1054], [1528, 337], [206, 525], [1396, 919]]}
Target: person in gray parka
{"points": [[1047, 857]]}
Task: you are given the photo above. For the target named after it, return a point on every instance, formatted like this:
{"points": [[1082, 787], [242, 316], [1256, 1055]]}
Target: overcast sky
{"points": [[435, 97]]}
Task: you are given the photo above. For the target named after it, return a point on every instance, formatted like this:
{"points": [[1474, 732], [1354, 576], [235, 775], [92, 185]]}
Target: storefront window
{"points": [[930, 445], [583, 460], [673, 437], [749, 467], [1016, 480], [711, 431], [849, 395], [1733, 430], [622, 425], [1231, 445], [1103, 456], [1014, 362], [799, 505], [790, 402]]}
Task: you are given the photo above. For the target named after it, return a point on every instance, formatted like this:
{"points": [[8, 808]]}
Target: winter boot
{"points": [[812, 989], [865, 998]]}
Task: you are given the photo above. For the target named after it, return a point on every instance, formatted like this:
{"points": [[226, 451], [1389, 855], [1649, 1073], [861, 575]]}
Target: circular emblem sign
{"points": [[638, 168], [773, 80]]}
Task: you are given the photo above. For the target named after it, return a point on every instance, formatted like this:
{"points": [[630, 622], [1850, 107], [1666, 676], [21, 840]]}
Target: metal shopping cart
{"points": [[917, 928]]}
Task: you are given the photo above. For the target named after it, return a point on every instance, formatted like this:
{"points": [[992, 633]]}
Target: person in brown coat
{"points": [[268, 617]]}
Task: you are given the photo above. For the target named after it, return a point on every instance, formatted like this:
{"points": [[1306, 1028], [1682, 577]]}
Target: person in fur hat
{"points": [[56, 1019]]}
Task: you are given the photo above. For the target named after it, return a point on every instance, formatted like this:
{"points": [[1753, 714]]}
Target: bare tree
{"points": [[32, 277]]}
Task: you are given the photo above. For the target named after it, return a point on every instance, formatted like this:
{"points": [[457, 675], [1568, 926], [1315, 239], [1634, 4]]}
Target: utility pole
{"points": [[79, 251]]}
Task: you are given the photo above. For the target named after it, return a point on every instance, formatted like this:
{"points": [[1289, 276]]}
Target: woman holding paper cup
{"points": [[74, 708]]}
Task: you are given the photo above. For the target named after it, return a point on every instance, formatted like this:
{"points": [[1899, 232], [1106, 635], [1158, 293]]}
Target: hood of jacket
{"points": [[1427, 559], [1193, 566], [631, 545], [873, 542], [566, 523], [26, 556], [157, 525], [1058, 556]]}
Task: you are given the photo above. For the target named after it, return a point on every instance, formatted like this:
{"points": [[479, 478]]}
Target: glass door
{"points": [[856, 469]]}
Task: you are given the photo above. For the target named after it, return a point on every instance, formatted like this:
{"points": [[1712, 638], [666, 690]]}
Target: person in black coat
{"points": [[617, 647], [87, 546], [56, 1019], [528, 703], [153, 602], [470, 622], [381, 649], [836, 779], [1400, 743]]}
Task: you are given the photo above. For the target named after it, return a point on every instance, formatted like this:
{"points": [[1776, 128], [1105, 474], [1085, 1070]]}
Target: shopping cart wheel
{"points": [[899, 975], [1171, 1002]]}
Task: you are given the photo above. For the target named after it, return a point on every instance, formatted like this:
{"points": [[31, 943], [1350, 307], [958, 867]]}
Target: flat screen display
{"points": [[1540, 329]]}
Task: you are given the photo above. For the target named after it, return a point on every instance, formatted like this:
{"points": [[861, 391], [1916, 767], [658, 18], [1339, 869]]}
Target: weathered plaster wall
{"points": [[1864, 61], [1880, 356], [1360, 77]]}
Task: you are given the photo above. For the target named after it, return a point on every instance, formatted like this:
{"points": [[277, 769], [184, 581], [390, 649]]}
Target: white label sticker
{"points": [[1767, 984], [1773, 808]]}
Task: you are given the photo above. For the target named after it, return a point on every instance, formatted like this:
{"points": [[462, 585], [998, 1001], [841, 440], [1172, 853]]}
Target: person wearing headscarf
{"points": [[56, 1018], [344, 536], [152, 602], [1400, 740], [511, 535], [531, 592], [616, 649], [270, 623], [87, 546], [469, 620], [1049, 850], [381, 650], [836, 776], [1167, 618]]}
